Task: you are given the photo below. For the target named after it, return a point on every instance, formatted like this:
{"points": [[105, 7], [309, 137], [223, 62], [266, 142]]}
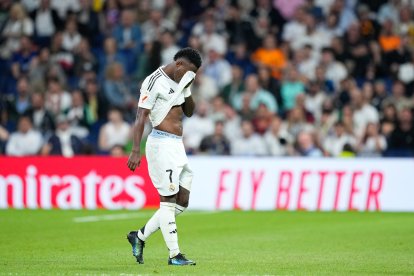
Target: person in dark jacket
{"points": [[63, 142]]}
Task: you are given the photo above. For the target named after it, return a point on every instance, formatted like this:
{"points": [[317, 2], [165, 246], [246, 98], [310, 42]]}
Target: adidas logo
{"points": [[173, 231], [171, 91]]}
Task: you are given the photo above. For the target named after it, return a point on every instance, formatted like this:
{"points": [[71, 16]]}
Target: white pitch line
{"points": [[123, 216]]}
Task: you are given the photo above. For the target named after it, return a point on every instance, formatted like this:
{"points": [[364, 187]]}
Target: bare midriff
{"points": [[172, 123]]}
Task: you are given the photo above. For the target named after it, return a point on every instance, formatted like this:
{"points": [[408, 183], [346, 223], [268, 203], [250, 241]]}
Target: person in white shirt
{"points": [[278, 140], [115, 132], [373, 143], [250, 143], [334, 143], [18, 25], [71, 36], [199, 125], [363, 114], [25, 141], [296, 27], [165, 98], [57, 100], [335, 70], [169, 48]]}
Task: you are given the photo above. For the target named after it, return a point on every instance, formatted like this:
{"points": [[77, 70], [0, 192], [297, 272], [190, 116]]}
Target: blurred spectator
{"points": [[240, 57], [155, 25], [172, 11], [112, 13], [116, 88], [389, 11], [278, 140], [71, 36], [63, 141], [204, 87], [287, 8], [58, 100], [78, 115], [169, 47], [41, 118], [296, 27], [296, 121], [380, 94], [397, 96], [240, 28], [59, 55], [117, 151], [18, 105], [306, 61], [264, 9], [115, 124], [291, 86], [88, 22], [84, 59], [17, 26], [46, 23], [314, 99], [401, 141], [262, 119], [150, 59], [364, 113], [110, 55], [217, 67], [334, 143], [388, 39], [22, 58], [232, 123], [209, 37], [373, 143], [249, 144], [270, 56], [269, 83], [65, 7], [95, 103], [25, 141], [197, 127], [313, 36], [129, 39], [306, 145], [257, 96], [235, 87], [334, 70], [217, 143]]}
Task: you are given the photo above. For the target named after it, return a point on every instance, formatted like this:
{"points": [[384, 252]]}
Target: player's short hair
{"points": [[192, 55]]}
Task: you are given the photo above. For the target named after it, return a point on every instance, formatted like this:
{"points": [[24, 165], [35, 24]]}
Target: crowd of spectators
{"points": [[279, 77]]}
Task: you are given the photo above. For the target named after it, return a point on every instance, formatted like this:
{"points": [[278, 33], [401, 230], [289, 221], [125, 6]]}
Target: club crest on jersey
{"points": [[172, 187], [171, 91]]}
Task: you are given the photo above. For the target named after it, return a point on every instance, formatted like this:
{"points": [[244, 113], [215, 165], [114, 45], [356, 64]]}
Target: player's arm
{"points": [[134, 159], [188, 106]]}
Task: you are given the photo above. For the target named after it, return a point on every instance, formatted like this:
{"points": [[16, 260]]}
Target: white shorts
{"points": [[167, 163]]}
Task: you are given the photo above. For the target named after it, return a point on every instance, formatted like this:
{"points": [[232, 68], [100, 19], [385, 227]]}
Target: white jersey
{"points": [[156, 92]]}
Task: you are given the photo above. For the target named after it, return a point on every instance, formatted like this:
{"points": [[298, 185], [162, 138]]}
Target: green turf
{"points": [[225, 243]]}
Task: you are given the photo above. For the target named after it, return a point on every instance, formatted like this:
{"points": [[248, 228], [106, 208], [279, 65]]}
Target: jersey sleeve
{"points": [[148, 95]]}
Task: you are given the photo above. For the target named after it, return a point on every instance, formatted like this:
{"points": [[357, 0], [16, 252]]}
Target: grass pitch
{"points": [[224, 243]]}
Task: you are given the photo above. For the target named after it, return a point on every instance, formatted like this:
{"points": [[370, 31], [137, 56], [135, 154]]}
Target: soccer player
{"points": [[165, 96]]}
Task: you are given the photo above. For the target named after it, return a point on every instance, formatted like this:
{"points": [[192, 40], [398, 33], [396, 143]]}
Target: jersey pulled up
{"points": [[156, 91]]}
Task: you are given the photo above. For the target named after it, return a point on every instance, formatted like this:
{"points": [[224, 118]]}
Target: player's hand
{"points": [[134, 160]]}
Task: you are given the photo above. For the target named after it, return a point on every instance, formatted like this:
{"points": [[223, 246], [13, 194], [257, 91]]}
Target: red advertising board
{"points": [[74, 183]]}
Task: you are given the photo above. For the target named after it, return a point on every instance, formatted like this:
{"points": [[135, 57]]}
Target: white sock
{"points": [[179, 209], [151, 227], [153, 223], [168, 227]]}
